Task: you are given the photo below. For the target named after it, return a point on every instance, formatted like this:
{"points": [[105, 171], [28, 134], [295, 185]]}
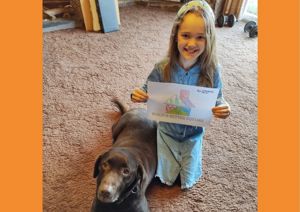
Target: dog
{"points": [[124, 172]]}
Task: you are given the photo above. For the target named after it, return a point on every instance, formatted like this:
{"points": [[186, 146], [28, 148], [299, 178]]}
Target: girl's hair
{"points": [[208, 59]]}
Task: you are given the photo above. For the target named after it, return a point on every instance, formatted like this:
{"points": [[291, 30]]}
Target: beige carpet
{"points": [[83, 71]]}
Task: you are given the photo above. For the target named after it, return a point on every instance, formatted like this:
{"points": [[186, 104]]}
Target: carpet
{"points": [[83, 71]]}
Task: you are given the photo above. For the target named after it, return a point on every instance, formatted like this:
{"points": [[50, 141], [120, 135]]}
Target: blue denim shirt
{"points": [[179, 146]]}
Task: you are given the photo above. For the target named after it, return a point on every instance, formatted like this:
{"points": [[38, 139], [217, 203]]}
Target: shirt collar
{"points": [[193, 70]]}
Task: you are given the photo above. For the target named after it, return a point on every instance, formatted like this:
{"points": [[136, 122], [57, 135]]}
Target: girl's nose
{"points": [[192, 42]]}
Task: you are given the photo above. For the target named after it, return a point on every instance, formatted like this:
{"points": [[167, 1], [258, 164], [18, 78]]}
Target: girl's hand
{"points": [[221, 111], [139, 95]]}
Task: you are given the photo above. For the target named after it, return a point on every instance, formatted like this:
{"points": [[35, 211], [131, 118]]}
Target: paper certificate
{"points": [[182, 104]]}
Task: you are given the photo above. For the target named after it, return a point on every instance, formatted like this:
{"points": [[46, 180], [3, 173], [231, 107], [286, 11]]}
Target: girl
{"points": [[191, 60]]}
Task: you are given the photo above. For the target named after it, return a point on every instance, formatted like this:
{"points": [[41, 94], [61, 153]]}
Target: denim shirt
{"points": [[179, 131]]}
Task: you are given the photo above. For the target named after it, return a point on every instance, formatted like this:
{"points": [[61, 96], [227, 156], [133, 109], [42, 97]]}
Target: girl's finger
{"points": [[141, 92], [138, 98], [222, 115], [138, 95], [221, 111], [219, 108]]}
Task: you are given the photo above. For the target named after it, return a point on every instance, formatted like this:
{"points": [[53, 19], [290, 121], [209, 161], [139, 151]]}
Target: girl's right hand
{"points": [[139, 95]]}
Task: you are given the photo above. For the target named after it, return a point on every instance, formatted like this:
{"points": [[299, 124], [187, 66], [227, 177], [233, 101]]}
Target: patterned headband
{"points": [[196, 3]]}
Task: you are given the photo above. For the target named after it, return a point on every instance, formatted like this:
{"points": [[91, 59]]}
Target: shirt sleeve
{"points": [[219, 84], [154, 76]]}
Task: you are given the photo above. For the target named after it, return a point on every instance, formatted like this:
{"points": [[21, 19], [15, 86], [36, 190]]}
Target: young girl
{"points": [[191, 60]]}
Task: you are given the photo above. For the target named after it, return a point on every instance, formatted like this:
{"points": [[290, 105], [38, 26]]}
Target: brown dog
{"points": [[125, 171]]}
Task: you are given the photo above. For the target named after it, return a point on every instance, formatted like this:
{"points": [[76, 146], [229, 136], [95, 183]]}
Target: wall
{"points": [[123, 3], [217, 5], [55, 3]]}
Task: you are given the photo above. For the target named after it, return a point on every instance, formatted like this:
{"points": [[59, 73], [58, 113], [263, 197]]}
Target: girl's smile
{"points": [[191, 51]]}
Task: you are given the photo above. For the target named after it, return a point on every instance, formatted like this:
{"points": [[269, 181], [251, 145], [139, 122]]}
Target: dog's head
{"points": [[118, 174]]}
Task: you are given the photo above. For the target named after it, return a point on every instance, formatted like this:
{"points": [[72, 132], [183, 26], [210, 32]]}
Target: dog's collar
{"points": [[132, 189]]}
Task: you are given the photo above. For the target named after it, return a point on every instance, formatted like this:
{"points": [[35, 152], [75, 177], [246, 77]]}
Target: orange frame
{"points": [[21, 106]]}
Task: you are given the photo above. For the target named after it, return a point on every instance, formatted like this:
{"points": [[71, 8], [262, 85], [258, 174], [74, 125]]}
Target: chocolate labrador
{"points": [[125, 171]]}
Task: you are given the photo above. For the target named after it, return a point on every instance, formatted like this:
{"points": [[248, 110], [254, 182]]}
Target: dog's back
{"points": [[135, 126]]}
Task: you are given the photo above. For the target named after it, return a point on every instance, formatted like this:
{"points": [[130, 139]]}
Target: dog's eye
{"points": [[125, 171], [105, 165]]}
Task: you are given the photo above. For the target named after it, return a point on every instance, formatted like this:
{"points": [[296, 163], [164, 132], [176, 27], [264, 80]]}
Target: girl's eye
{"points": [[125, 171], [185, 35], [200, 37]]}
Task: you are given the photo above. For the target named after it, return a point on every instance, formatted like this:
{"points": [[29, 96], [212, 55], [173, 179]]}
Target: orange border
{"points": [[21, 106], [278, 106]]}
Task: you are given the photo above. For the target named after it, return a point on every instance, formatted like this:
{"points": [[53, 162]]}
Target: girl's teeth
{"points": [[191, 51]]}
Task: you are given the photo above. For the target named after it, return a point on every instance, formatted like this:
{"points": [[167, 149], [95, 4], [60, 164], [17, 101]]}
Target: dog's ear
{"points": [[96, 166]]}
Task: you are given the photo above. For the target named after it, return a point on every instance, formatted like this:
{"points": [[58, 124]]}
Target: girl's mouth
{"points": [[191, 51]]}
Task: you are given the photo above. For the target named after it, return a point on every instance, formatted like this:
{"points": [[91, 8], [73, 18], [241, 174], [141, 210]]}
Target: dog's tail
{"points": [[123, 109]]}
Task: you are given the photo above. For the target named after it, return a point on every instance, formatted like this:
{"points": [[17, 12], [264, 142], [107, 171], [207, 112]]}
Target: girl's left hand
{"points": [[221, 111]]}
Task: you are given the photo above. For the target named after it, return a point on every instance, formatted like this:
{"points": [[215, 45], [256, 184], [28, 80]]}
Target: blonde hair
{"points": [[208, 59]]}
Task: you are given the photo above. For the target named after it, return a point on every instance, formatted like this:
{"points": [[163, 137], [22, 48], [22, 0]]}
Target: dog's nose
{"points": [[105, 194]]}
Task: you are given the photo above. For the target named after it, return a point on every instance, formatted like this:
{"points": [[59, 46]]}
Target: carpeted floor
{"points": [[83, 71]]}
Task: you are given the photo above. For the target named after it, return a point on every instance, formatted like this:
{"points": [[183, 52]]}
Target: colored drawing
{"points": [[179, 105]]}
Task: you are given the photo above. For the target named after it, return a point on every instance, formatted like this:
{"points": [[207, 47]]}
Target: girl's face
{"points": [[191, 38]]}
